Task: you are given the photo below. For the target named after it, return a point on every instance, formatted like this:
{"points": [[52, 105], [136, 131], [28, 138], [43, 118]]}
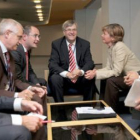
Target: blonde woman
{"points": [[120, 61]]}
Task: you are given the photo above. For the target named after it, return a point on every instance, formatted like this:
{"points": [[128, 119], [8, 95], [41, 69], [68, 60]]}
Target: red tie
{"points": [[72, 63], [10, 84], [27, 65], [73, 117]]}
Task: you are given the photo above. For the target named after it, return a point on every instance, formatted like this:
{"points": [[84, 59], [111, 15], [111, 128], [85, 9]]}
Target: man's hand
{"points": [[77, 72], [91, 129], [31, 106], [90, 74], [39, 91], [77, 129], [137, 107], [32, 123], [72, 77], [131, 76], [26, 94]]}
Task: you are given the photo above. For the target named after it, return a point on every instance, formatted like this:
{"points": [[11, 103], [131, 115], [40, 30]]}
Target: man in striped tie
{"points": [[70, 59]]}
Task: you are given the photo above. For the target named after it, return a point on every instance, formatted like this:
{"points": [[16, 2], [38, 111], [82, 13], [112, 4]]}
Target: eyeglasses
{"points": [[35, 36], [71, 30]]}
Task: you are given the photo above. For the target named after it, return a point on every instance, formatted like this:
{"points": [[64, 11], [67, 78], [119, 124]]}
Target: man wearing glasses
{"points": [[24, 71], [70, 59], [11, 32]]}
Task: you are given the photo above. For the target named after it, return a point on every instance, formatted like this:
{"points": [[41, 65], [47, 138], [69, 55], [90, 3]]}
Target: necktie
{"points": [[27, 66], [73, 117], [72, 63], [10, 84]]}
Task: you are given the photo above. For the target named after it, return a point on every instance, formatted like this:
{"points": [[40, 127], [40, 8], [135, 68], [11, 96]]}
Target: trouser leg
{"points": [[87, 88], [56, 86], [14, 132], [112, 90]]}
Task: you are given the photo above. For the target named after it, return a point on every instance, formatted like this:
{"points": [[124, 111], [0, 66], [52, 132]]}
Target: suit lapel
{"points": [[2, 59], [65, 50], [78, 50]]}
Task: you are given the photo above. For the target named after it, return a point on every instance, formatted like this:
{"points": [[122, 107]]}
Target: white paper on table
{"points": [[37, 115], [133, 95], [91, 110]]}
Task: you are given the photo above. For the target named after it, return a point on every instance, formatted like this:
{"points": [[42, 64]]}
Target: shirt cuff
{"points": [[17, 104], [139, 78], [64, 73], [29, 87], [16, 95], [82, 72], [16, 119]]}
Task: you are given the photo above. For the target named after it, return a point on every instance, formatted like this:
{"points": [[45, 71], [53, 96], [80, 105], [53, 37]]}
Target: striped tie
{"points": [[74, 118], [72, 63], [27, 66], [10, 74]]}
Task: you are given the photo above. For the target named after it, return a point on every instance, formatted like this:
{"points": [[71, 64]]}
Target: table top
{"points": [[64, 123]]}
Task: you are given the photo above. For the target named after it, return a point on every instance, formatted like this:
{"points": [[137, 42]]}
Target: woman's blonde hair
{"points": [[115, 30]]}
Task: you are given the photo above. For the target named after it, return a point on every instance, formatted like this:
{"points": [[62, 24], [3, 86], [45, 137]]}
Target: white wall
{"points": [[126, 13], [89, 28], [135, 26]]}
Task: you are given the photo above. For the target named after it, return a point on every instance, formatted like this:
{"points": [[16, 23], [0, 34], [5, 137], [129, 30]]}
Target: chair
{"points": [[71, 93]]}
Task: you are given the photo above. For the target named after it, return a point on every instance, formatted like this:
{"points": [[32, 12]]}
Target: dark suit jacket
{"points": [[59, 60], [5, 104], [20, 61], [4, 77]]}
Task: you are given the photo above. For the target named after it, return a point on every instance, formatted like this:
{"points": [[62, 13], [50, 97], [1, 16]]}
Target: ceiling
{"points": [[54, 11]]}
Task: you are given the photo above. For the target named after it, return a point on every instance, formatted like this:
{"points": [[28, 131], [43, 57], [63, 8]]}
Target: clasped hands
{"points": [[92, 129], [74, 74]]}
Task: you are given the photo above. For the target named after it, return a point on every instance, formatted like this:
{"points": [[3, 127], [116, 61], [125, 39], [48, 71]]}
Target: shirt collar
{"points": [[4, 49], [25, 50], [70, 43]]}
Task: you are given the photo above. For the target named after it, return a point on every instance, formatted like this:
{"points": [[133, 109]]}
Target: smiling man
{"points": [[70, 59], [29, 41]]}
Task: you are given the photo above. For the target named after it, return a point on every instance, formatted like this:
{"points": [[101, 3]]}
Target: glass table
{"points": [[99, 127]]}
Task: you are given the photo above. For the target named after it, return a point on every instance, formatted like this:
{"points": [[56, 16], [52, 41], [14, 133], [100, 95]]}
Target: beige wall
{"points": [[48, 34]]}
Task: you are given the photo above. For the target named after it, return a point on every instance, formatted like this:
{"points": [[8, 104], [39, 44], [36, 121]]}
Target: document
{"points": [[37, 115], [133, 95]]}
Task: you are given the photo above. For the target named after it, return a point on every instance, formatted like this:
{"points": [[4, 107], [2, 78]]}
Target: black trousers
{"points": [[59, 85], [110, 90], [14, 132]]}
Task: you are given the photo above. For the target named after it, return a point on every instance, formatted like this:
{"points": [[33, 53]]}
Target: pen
{"points": [[49, 121]]}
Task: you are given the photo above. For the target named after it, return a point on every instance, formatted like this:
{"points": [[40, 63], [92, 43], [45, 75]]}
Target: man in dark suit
{"points": [[16, 127], [24, 72], [10, 34], [29, 41], [70, 59]]}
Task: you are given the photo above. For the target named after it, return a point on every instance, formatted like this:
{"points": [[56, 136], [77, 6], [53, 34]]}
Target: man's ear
{"points": [[7, 33], [24, 36]]}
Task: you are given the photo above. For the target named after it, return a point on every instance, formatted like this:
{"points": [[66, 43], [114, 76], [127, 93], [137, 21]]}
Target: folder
{"points": [[93, 113], [133, 94]]}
